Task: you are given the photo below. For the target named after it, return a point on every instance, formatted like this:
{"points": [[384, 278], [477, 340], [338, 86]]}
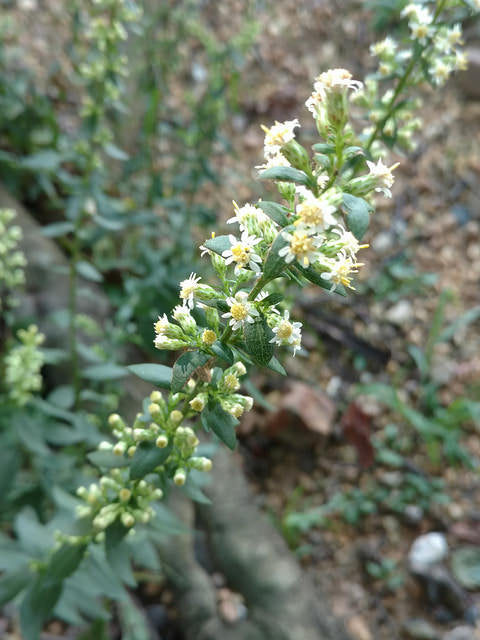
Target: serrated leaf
{"points": [[88, 271], [146, 458], [219, 244], [274, 264], [105, 372], [257, 337], [57, 229], [285, 174], [157, 374], [185, 367], [358, 217], [222, 424], [12, 583], [277, 212]]}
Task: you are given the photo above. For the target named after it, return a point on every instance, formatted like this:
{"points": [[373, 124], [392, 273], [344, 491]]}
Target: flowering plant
{"points": [[313, 237]]}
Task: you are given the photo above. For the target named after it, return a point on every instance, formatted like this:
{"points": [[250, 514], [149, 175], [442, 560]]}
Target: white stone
{"points": [[427, 550]]}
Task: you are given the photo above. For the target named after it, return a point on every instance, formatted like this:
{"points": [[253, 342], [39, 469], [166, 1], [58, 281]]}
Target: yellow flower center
{"points": [[300, 245], [231, 382], [209, 337], [240, 253], [239, 311], [285, 330], [310, 213], [420, 31]]}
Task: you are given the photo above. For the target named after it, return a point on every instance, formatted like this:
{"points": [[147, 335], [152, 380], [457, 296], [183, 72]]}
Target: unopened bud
{"points": [[127, 520], [176, 416], [180, 477], [125, 495], [119, 449], [161, 441]]}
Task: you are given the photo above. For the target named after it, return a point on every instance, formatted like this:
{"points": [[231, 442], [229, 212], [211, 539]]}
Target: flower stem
{"points": [[72, 308]]}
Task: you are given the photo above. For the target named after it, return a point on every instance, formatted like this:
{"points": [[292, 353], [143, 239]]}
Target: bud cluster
{"points": [[12, 260], [22, 365], [432, 52]]}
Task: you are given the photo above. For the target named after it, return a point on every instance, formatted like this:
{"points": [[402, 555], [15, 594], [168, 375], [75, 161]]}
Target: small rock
{"points": [[462, 633], [443, 592], [469, 80], [418, 629], [359, 628], [382, 242], [401, 313], [391, 479], [413, 514], [427, 550]]}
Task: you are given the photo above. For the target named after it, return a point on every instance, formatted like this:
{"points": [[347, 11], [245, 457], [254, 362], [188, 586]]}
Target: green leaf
{"points": [[466, 566], [57, 229], [104, 372], [65, 561], [358, 217], [107, 460], [272, 299], [222, 424], [275, 211], [185, 367], [194, 492], [276, 366], [321, 147], [223, 352], [114, 152], [463, 321], [219, 244], [257, 337], [37, 606], [285, 174], [146, 458], [12, 583], [47, 160], [88, 271], [62, 397], [157, 374], [275, 264], [316, 278]]}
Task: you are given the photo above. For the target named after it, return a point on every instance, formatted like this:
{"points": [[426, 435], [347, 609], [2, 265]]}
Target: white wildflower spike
{"points": [[287, 333], [188, 288], [383, 176], [241, 252], [302, 246], [241, 310], [278, 135]]}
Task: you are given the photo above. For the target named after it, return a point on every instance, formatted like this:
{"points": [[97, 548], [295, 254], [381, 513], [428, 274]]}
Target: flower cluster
{"points": [[22, 366], [12, 260], [432, 51]]}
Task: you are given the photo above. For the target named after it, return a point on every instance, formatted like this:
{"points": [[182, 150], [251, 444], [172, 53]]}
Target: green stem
{"points": [[72, 308], [401, 85]]}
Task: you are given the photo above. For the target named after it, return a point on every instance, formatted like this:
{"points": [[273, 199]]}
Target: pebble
{"points": [[427, 550], [462, 633], [413, 514], [418, 629], [401, 313], [359, 628]]}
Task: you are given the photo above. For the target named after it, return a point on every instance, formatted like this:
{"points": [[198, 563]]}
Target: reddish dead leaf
{"points": [[466, 532], [302, 406], [356, 429]]}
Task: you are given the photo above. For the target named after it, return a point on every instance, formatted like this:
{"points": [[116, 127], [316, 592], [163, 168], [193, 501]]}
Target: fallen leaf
{"points": [[356, 429]]}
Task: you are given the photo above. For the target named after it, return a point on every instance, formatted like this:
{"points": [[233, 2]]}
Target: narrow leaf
{"points": [[221, 423], [146, 458], [157, 374], [277, 212], [285, 174], [275, 264], [88, 271], [105, 372], [12, 583], [185, 366]]}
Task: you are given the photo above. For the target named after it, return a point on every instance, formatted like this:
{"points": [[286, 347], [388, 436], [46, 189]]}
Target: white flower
{"points": [[302, 246], [241, 252], [248, 212], [335, 80], [384, 49], [340, 269], [440, 72], [287, 333], [383, 176], [241, 310], [274, 160], [348, 241], [454, 35], [315, 213], [278, 135], [188, 288], [162, 325]]}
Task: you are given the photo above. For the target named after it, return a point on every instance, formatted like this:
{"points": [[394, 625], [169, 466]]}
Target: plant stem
{"points": [[72, 308], [403, 80]]}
